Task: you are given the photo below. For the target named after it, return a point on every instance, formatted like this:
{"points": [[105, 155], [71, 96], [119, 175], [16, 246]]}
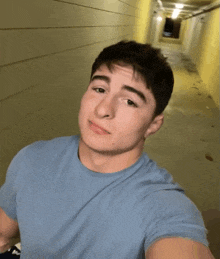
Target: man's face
{"points": [[116, 111]]}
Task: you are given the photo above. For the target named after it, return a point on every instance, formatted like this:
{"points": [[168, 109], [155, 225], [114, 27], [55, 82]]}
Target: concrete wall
{"points": [[201, 43], [37, 35], [40, 39], [46, 52], [142, 32], [157, 26]]}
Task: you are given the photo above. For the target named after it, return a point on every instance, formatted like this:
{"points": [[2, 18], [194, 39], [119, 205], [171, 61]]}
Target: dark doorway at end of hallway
{"points": [[172, 28]]}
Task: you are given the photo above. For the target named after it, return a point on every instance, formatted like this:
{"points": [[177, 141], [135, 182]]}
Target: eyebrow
{"points": [[125, 87], [104, 78], [133, 90]]}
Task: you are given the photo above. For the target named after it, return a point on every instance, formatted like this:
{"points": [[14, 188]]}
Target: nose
{"points": [[106, 108]]}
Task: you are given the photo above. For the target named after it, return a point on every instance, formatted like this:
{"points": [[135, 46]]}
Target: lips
{"points": [[97, 129]]}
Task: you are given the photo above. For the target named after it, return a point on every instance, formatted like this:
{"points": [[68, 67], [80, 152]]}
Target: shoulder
{"points": [[173, 214], [177, 247], [59, 142], [167, 212], [154, 173], [41, 150], [171, 199], [49, 148], [171, 203], [162, 193]]}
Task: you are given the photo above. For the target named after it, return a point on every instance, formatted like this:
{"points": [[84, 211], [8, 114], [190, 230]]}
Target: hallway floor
{"points": [[187, 145]]}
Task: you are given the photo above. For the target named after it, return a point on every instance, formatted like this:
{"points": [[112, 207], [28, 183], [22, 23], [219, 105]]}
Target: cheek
{"points": [[86, 107], [88, 100], [130, 119], [134, 123], [84, 104], [82, 110]]}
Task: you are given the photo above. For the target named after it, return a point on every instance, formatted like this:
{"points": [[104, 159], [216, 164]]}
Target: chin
{"points": [[94, 143], [99, 146]]}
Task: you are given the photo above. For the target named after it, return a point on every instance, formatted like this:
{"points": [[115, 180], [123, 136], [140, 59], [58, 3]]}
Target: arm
{"points": [[8, 232], [181, 248]]}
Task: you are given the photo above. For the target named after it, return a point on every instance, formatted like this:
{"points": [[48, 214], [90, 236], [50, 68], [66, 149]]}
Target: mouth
{"points": [[97, 129]]}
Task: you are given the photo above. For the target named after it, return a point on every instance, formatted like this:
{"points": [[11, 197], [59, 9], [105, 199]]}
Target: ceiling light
{"points": [[179, 6], [175, 13]]}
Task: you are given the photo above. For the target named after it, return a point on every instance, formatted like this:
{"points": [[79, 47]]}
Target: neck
{"points": [[105, 163]]}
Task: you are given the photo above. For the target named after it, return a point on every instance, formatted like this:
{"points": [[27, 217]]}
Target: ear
{"points": [[155, 125]]}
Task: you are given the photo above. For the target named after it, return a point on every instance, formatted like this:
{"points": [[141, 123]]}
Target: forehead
{"points": [[123, 69]]}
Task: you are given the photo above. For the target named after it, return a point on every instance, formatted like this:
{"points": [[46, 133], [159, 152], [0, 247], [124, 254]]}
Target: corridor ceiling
{"points": [[190, 6]]}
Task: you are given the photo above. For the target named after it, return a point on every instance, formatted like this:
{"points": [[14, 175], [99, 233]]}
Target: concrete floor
{"points": [[187, 145]]}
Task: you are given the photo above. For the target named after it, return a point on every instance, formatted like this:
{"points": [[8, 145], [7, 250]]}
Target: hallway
{"points": [[186, 145], [45, 67]]}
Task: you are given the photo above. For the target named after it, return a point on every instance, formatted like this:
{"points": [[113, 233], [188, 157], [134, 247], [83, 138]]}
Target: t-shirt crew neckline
{"points": [[130, 169]]}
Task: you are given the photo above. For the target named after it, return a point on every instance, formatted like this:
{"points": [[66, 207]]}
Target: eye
{"points": [[98, 89], [131, 103]]}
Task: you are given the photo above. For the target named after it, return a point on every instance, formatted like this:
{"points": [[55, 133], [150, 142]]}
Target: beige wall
{"points": [[144, 12], [201, 43], [46, 52], [40, 38]]}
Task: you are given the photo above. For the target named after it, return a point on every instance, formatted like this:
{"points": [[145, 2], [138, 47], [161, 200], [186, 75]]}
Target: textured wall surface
{"points": [[40, 40], [201, 43]]}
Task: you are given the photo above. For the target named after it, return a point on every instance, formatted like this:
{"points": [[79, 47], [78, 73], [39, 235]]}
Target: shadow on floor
{"points": [[212, 223]]}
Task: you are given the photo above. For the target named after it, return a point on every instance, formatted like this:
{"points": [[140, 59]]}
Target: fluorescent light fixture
{"points": [[175, 13], [179, 6]]}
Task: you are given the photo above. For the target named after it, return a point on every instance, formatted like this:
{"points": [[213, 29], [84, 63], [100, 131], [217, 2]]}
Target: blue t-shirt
{"points": [[65, 210]]}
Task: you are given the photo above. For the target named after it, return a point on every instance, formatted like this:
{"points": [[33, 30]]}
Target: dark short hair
{"points": [[147, 61]]}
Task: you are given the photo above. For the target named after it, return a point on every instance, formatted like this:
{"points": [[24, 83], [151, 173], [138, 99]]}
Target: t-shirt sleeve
{"points": [[173, 214], [9, 189]]}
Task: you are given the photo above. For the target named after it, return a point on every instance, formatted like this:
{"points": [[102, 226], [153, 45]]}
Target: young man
{"points": [[98, 195]]}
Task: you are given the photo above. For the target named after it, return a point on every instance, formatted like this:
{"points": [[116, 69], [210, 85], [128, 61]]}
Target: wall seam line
{"points": [[128, 4], [94, 8], [51, 54], [64, 27]]}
